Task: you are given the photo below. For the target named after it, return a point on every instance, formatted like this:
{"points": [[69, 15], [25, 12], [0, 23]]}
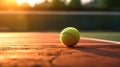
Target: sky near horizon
{"points": [[83, 1], [34, 2]]}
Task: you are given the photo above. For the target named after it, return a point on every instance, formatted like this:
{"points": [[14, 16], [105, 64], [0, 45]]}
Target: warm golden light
{"points": [[30, 2], [20, 2]]}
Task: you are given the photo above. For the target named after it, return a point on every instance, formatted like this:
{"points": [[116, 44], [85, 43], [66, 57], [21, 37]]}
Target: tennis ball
{"points": [[69, 36]]}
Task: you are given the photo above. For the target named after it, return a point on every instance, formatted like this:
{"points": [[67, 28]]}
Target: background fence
{"points": [[55, 21]]}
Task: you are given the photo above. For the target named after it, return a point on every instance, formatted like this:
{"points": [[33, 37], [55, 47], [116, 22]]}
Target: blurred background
{"points": [[54, 15]]}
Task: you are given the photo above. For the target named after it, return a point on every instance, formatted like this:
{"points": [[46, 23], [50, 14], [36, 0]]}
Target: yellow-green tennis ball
{"points": [[69, 36]]}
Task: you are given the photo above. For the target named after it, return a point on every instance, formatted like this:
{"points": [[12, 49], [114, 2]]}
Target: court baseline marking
{"points": [[102, 40]]}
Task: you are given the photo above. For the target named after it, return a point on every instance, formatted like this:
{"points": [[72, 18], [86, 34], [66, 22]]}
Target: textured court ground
{"points": [[45, 50]]}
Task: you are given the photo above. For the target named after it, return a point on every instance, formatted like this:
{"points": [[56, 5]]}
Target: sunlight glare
{"points": [[83, 1], [32, 3], [19, 2], [86, 1]]}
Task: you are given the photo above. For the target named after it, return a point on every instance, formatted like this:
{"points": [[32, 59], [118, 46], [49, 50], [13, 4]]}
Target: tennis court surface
{"points": [[45, 50]]}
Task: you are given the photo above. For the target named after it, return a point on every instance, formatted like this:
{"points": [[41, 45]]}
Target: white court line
{"points": [[102, 40], [61, 12]]}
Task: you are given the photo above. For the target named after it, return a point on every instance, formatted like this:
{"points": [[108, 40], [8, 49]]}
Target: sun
{"points": [[30, 2]]}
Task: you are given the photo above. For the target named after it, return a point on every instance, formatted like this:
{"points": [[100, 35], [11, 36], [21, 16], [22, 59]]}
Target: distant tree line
{"points": [[61, 5], [109, 4]]}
